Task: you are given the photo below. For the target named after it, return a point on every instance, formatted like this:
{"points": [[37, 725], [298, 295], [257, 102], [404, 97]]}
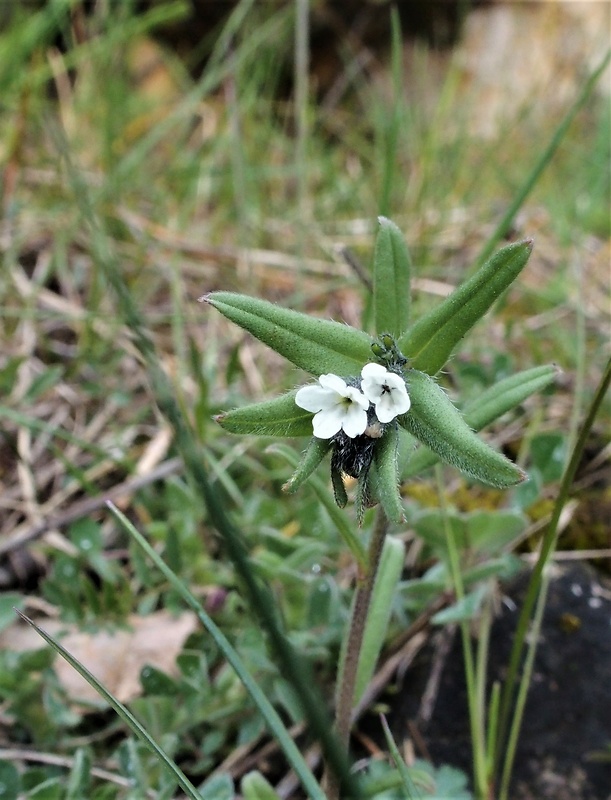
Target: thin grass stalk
{"points": [[536, 593], [481, 672], [391, 139], [492, 729], [507, 220], [302, 85], [268, 712], [475, 718], [238, 167], [122, 711], [295, 669]]}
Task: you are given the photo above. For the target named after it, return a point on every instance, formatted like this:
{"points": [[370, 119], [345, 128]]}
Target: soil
{"points": [[564, 751]]}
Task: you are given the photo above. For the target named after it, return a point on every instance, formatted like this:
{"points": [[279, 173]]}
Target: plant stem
{"points": [[350, 658]]}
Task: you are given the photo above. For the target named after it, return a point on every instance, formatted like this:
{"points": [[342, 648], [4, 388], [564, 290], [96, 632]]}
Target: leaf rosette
{"points": [[370, 389]]}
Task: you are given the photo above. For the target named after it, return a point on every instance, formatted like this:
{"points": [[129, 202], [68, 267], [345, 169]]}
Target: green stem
{"points": [[349, 661], [536, 593]]}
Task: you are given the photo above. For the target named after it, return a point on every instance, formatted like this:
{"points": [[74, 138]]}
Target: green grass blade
{"points": [[123, 712], [391, 121], [411, 792], [260, 599], [268, 712], [548, 544], [544, 159]]}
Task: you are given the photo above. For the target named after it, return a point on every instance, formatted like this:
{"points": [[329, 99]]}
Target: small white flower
{"points": [[338, 407], [386, 390]]}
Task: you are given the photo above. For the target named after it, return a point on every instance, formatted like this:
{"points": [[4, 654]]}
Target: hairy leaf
{"points": [[431, 340], [277, 417], [391, 280], [436, 422], [386, 473], [316, 450], [315, 345], [489, 406]]}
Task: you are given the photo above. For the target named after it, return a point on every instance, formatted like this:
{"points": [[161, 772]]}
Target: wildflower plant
{"points": [[369, 391], [372, 389]]}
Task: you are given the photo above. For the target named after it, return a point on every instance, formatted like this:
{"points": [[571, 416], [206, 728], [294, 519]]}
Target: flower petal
{"points": [[329, 422], [373, 371], [354, 420], [333, 383], [315, 398], [357, 397]]}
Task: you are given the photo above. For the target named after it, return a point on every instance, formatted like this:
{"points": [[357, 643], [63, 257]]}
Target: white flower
{"points": [[338, 407], [385, 390]]}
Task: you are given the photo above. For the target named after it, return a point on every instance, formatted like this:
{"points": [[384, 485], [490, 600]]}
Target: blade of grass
{"points": [[123, 712], [536, 589], [475, 719], [544, 159], [275, 724], [393, 126], [295, 669], [410, 790]]}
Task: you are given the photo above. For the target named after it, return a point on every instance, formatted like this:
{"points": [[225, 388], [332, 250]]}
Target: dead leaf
{"points": [[114, 657]]}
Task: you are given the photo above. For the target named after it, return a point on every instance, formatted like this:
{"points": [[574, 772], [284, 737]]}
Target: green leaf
{"points": [[507, 394], [255, 787], [386, 474], [344, 528], [316, 450], [277, 417], [431, 340], [438, 424], [79, 782], [9, 780], [315, 345], [391, 280], [489, 406], [464, 609], [389, 573]]}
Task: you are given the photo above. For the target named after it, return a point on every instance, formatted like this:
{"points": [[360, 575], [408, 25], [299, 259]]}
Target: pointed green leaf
{"points": [[344, 528], [431, 340], [436, 422], [315, 345], [489, 406], [507, 394], [386, 475], [391, 280], [255, 787], [316, 450], [277, 417], [380, 608]]}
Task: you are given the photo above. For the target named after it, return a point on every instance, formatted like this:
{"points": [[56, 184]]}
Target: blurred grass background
{"points": [[248, 146]]}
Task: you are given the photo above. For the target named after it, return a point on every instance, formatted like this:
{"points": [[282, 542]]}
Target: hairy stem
{"points": [[350, 661]]}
